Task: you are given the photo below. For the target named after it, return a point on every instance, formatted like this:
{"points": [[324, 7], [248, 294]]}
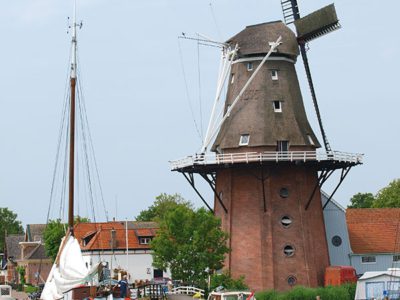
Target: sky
{"points": [[139, 113]]}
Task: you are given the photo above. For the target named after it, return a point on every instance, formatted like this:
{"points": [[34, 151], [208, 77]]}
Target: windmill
{"points": [[266, 171]]}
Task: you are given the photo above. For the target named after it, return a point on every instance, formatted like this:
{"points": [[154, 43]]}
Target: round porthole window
{"points": [[291, 280], [288, 250], [286, 221], [284, 192], [336, 241]]}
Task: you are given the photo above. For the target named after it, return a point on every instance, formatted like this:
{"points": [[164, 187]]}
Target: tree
{"points": [[8, 225], [21, 271], [189, 243], [362, 200], [54, 232], [389, 196], [163, 204]]}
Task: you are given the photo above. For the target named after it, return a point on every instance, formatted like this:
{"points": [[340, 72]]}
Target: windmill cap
{"points": [[255, 39]]}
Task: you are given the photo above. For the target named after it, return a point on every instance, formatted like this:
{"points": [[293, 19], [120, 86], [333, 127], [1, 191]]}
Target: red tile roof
{"points": [[374, 230], [101, 232]]}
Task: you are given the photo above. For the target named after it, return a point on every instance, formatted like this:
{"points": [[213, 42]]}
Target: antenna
{"points": [[310, 27], [205, 41]]}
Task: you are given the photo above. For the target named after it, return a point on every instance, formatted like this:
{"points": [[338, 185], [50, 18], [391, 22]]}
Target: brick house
{"points": [[13, 254], [28, 251]]}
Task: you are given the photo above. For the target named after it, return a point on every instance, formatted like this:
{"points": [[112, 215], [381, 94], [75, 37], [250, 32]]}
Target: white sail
{"points": [[70, 272]]}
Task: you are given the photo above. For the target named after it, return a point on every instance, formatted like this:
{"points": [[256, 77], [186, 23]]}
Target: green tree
{"points": [[79, 219], [163, 204], [362, 200], [54, 232], [189, 243], [389, 196], [21, 272], [8, 225]]}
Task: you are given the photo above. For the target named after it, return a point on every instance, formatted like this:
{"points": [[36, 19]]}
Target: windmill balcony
{"points": [[214, 160]]}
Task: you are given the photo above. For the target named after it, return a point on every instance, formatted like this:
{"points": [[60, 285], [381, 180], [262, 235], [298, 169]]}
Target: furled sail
{"points": [[68, 272]]}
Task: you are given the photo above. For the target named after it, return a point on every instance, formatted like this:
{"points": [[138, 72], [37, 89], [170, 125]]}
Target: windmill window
{"points": [[336, 241], [232, 78], [368, 259], [288, 250], [283, 146], [244, 139], [277, 106], [274, 74], [249, 66], [286, 221], [284, 192], [291, 280]]}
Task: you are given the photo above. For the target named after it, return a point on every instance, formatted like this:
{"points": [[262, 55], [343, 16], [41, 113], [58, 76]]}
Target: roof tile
{"points": [[373, 230]]}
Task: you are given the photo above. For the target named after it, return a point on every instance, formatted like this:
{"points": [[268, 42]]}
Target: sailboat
{"points": [[69, 270]]}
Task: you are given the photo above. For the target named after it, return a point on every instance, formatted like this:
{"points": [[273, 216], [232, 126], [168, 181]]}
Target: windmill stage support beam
{"points": [[345, 171], [325, 174], [190, 179], [212, 185]]}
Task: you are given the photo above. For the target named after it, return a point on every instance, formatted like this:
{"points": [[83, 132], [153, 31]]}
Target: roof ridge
{"points": [[264, 23]]}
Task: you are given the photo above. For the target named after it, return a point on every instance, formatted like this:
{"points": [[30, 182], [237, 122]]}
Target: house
{"points": [[123, 245], [375, 238], [13, 254], [379, 285], [28, 251]]}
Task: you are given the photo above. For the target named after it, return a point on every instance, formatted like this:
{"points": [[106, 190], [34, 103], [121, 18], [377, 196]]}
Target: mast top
{"points": [[74, 43]]}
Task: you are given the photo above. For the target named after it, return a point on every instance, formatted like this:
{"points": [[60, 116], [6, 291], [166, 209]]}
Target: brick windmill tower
{"points": [[265, 170]]}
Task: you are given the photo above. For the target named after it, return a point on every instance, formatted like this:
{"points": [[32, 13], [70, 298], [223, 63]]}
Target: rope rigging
{"points": [[187, 90], [199, 87], [88, 186]]}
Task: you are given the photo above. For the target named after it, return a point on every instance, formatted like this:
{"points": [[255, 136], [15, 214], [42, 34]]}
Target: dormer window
{"points": [[277, 106], [86, 239], [144, 240], [249, 66], [274, 74], [244, 139]]}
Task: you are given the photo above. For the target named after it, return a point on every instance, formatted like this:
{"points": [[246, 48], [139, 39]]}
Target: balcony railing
{"points": [[269, 156]]}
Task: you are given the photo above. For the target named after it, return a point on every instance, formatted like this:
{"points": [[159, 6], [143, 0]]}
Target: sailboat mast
{"points": [[72, 128]]}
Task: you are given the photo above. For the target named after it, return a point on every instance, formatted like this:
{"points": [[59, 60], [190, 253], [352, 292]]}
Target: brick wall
{"points": [[257, 237]]}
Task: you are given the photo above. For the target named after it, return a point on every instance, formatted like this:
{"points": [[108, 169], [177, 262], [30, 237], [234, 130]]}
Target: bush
{"points": [[266, 295], [344, 292], [300, 293], [30, 289]]}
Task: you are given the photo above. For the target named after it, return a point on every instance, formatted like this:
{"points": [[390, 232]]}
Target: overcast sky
{"points": [[139, 112]]}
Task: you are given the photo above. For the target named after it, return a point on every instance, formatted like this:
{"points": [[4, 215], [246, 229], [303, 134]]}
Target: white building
{"points": [[122, 245]]}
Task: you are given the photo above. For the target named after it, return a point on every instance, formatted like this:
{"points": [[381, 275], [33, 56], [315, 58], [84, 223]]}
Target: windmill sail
{"points": [[317, 24]]}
